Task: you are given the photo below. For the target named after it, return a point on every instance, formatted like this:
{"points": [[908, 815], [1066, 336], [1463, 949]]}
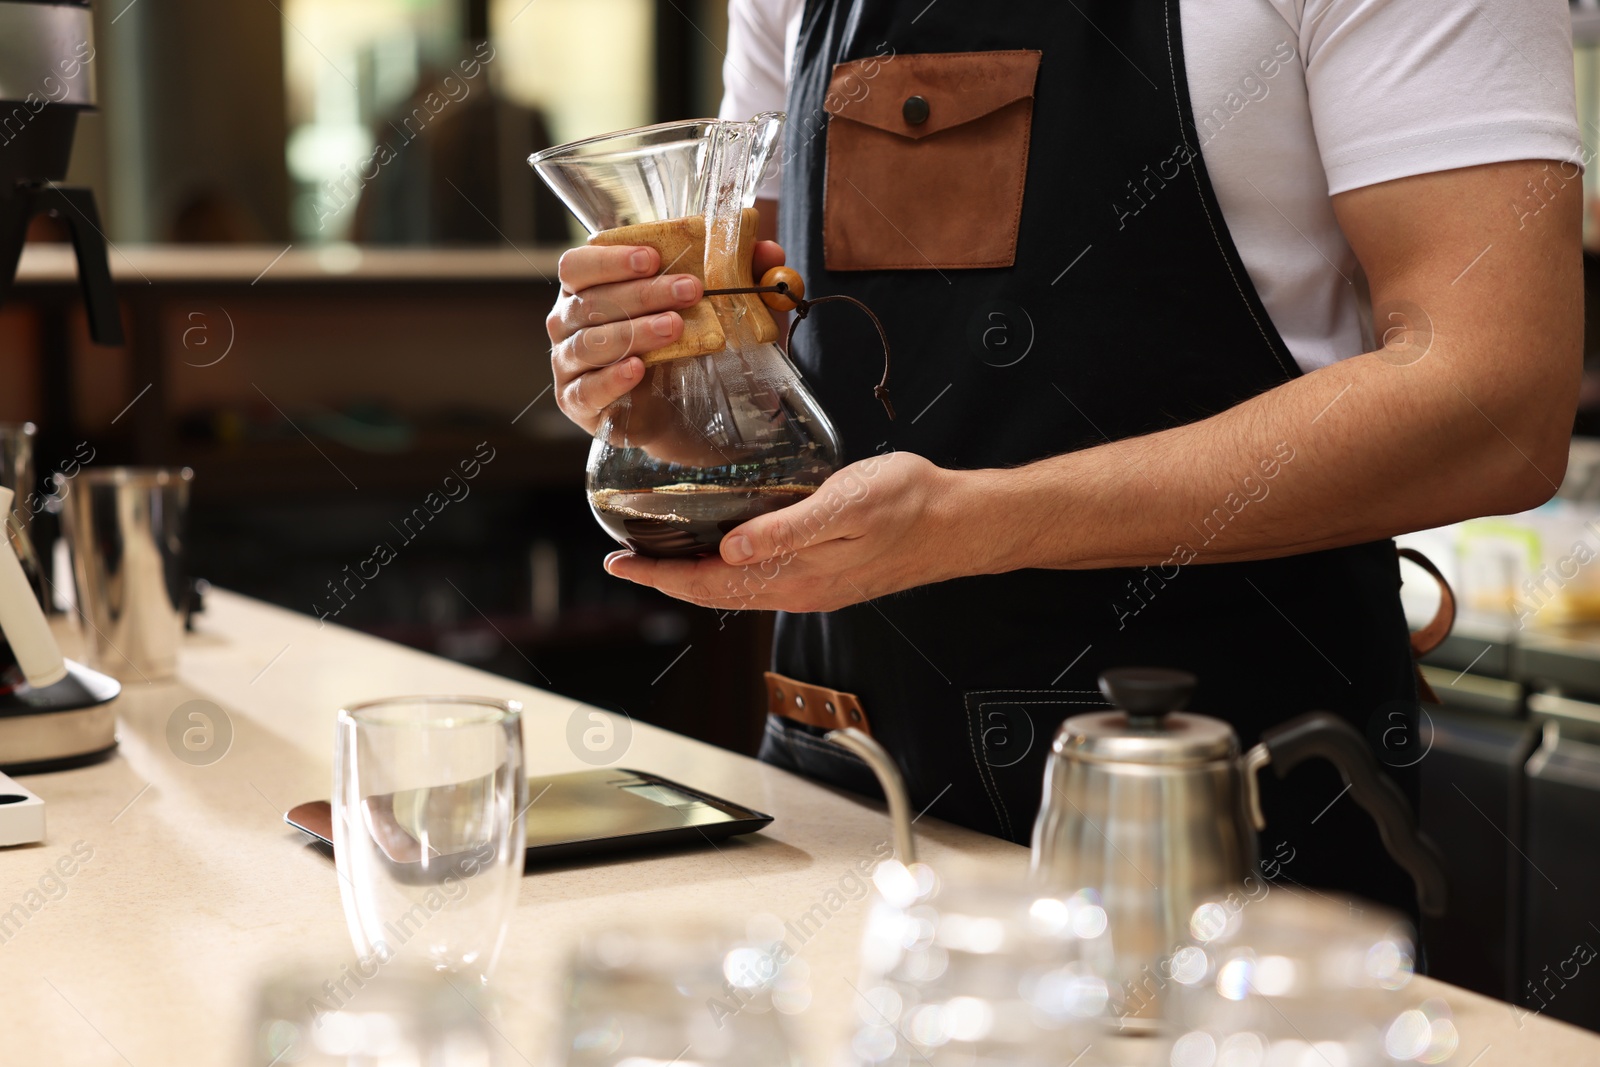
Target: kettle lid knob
{"points": [[1147, 694]]}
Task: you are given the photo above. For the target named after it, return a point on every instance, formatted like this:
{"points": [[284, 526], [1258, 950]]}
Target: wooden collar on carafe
{"points": [[682, 245]]}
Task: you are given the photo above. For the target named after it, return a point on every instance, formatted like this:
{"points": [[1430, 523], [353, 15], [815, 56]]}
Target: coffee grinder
{"points": [[47, 79]]}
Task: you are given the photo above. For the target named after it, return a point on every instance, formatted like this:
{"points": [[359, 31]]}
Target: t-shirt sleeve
{"points": [[1404, 87], [755, 69]]}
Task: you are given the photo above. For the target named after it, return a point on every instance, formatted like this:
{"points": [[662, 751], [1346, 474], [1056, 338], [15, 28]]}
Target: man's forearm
{"points": [[1466, 409], [1360, 450]]}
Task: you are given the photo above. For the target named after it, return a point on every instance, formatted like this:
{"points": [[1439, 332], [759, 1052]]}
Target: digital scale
{"points": [[596, 813]]}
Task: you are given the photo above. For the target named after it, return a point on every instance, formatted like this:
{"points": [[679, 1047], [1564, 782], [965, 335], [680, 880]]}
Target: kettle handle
{"points": [[1322, 733]]}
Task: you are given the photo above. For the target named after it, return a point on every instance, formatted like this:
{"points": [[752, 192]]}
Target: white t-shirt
{"points": [[1381, 89]]}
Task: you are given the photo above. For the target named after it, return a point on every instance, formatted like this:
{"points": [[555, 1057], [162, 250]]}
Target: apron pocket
{"points": [[927, 156], [1010, 732]]}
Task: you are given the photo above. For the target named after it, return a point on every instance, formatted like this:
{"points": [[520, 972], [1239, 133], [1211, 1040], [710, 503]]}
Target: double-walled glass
{"points": [[428, 805], [334, 1016], [684, 992], [979, 971], [1296, 978]]}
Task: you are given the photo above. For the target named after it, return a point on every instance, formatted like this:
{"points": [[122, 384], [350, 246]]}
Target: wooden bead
{"points": [[788, 276]]}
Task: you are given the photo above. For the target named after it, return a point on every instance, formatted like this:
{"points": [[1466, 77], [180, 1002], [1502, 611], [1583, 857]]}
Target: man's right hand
{"points": [[612, 310]]}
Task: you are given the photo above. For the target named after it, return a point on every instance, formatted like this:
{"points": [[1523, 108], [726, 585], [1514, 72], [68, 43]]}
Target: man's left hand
{"points": [[877, 526]]}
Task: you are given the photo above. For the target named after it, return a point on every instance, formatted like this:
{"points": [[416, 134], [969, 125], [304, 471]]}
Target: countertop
{"points": [[194, 886]]}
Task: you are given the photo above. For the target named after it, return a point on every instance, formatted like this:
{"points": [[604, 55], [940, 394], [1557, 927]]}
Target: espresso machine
{"points": [[53, 712]]}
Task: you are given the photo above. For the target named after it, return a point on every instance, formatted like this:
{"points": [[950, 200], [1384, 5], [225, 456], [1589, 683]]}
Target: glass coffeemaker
{"points": [[721, 429]]}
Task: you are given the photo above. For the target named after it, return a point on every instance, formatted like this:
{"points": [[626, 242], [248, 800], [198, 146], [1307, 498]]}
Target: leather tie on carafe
{"points": [[802, 307]]}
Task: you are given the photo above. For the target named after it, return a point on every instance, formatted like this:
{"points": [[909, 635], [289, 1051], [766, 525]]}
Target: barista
{"points": [[1119, 251]]}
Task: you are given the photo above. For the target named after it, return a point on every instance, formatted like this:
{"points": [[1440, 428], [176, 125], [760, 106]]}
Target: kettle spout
{"points": [[893, 784]]}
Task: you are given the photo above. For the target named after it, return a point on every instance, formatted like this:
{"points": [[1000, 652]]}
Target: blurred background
{"points": [[333, 265]]}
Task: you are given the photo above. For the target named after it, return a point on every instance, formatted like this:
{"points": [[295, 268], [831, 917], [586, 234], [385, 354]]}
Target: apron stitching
{"points": [[983, 774], [1204, 207], [1027, 703], [1045, 691]]}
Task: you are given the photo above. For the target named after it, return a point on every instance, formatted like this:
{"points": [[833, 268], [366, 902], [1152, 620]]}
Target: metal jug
{"points": [[1155, 809]]}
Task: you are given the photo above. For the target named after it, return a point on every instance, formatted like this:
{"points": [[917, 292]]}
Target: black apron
{"points": [[1136, 315]]}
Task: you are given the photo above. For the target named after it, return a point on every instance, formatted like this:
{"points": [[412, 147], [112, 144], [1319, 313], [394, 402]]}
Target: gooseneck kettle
{"points": [[1155, 809]]}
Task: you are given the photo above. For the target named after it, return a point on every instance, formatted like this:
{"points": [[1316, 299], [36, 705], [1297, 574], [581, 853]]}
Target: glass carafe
{"points": [[722, 428]]}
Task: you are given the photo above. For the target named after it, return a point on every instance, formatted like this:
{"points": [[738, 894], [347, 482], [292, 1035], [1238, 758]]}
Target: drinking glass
{"points": [[977, 969], [691, 993], [344, 1016], [429, 795], [1296, 978]]}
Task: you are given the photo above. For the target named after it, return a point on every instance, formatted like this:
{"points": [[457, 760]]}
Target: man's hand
{"points": [[614, 308], [878, 526]]}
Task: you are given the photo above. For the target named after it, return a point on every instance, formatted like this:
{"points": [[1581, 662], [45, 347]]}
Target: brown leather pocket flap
{"points": [[958, 87]]}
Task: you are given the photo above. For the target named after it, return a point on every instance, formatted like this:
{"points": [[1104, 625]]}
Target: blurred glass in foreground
{"points": [[695, 995], [306, 1018], [979, 971], [1293, 980]]}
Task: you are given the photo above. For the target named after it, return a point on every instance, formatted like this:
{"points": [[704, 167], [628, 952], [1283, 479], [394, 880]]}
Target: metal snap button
{"points": [[914, 110], [855, 716], [799, 701], [829, 706]]}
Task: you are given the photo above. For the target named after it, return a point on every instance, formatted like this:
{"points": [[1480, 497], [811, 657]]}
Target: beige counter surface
{"points": [[149, 953]]}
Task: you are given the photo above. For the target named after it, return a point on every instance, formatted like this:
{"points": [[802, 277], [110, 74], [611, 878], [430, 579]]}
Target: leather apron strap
{"points": [[814, 705], [1433, 634]]}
